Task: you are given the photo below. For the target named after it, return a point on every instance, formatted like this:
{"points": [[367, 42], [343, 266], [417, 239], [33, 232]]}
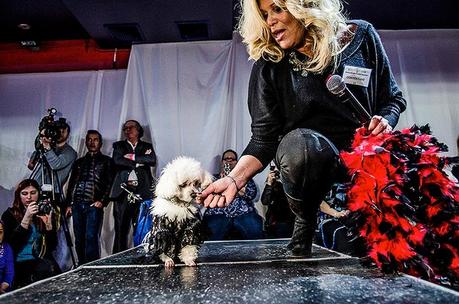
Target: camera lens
{"points": [[43, 208]]}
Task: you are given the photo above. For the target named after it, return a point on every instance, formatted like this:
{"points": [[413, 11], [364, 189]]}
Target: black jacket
{"points": [[281, 100], [91, 179], [142, 166]]}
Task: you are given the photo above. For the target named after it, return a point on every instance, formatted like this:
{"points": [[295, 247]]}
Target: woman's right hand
{"points": [[341, 213], [31, 210], [219, 194]]}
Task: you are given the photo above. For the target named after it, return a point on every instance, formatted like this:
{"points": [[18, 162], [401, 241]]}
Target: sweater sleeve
{"points": [[16, 235], [118, 157], [146, 159], [64, 159], [264, 109]]}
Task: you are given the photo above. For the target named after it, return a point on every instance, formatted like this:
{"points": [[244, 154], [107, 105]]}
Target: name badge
{"points": [[356, 75]]}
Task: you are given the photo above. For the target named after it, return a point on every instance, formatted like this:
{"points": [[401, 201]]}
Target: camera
{"points": [[50, 128], [44, 206], [44, 203]]}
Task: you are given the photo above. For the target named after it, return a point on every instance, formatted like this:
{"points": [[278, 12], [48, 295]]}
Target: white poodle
{"points": [[176, 217]]}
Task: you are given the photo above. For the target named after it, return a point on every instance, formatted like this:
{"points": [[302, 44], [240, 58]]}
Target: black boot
{"points": [[304, 229]]}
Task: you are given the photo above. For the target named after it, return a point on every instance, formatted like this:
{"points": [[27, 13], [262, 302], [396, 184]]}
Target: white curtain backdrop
{"points": [[192, 96], [191, 99]]}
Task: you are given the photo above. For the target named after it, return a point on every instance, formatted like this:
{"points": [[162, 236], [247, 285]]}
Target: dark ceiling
{"points": [[119, 23]]}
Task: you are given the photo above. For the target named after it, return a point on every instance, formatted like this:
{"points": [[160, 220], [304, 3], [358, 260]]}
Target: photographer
{"points": [[31, 234], [57, 154], [279, 218]]}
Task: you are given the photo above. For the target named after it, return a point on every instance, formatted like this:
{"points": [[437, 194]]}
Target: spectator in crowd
{"points": [[31, 233], [133, 160], [87, 193], [240, 219], [6, 262], [279, 218], [59, 158], [332, 232]]}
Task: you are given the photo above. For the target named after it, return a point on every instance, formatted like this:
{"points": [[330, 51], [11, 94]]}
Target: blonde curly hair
{"points": [[322, 19]]}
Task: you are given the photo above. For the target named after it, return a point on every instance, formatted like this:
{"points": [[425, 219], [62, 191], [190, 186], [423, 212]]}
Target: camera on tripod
{"points": [[50, 128], [44, 204]]}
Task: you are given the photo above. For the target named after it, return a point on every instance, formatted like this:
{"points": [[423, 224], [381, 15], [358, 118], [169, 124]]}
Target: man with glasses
{"points": [[133, 160], [240, 219]]}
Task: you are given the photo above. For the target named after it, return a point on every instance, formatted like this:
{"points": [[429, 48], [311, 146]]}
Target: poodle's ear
{"points": [[167, 186], [206, 179]]}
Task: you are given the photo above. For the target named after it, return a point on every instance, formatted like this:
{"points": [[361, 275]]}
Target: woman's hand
{"points": [[379, 124], [219, 194], [31, 210], [47, 220], [341, 213], [223, 191], [271, 177]]}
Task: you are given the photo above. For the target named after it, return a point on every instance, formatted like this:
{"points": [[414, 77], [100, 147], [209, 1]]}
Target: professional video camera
{"points": [[45, 201], [50, 128]]}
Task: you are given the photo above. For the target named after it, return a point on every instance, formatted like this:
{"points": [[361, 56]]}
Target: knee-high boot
{"points": [[304, 228]]}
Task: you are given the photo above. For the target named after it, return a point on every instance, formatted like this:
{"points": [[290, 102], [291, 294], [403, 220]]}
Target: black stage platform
{"points": [[232, 272]]}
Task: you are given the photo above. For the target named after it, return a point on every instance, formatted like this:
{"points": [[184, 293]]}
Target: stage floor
{"points": [[232, 272]]}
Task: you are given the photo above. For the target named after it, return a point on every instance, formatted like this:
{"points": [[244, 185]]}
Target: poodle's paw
{"points": [[169, 263], [189, 262]]}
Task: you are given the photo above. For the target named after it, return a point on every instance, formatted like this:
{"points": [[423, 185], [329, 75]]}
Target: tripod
{"points": [[57, 197]]}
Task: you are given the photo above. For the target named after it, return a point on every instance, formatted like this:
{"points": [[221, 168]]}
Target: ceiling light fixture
{"points": [[24, 26]]}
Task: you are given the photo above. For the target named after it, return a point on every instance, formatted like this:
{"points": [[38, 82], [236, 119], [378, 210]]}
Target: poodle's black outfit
{"points": [[168, 236]]}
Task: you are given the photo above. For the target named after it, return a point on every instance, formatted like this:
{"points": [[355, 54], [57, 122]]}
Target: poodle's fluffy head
{"points": [[182, 179]]}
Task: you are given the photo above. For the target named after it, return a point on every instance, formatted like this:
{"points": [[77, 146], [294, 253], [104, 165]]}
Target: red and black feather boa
{"points": [[403, 204]]}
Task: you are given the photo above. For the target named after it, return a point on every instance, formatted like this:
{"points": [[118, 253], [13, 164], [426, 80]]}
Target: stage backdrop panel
{"points": [[192, 96]]}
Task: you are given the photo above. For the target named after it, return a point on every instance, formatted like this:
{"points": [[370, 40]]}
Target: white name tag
{"points": [[356, 75]]}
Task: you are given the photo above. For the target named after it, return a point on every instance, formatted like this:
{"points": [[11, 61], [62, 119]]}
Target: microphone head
{"points": [[335, 84]]}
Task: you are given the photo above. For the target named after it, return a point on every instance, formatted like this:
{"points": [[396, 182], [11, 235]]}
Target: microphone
{"points": [[336, 85], [132, 197]]}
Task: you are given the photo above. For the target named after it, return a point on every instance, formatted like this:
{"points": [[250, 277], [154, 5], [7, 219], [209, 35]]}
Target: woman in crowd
{"points": [[297, 45], [31, 234]]}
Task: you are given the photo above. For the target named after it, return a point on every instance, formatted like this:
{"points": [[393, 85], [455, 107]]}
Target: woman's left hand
{"points": [[379, 124], [46, 220]]}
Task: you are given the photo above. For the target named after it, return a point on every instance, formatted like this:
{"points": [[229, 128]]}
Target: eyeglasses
{"points": [[229, 159]]}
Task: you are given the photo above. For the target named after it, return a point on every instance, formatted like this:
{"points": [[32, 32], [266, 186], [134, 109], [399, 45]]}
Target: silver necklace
{"points": [[298, 65]]}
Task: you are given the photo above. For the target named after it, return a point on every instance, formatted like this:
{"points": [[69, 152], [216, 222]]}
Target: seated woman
{"points": [[31, 234], [332, 232]]}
